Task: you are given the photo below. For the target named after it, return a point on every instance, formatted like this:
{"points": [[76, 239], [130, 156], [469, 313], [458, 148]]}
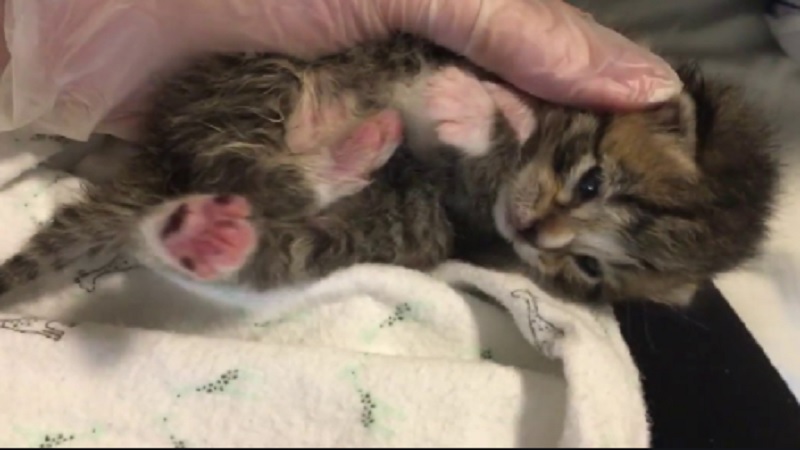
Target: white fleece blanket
{"points": [[370, 356]]}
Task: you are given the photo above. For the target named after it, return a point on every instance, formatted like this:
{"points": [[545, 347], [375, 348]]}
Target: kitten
{"points": [[263, 170], [647, 204]]}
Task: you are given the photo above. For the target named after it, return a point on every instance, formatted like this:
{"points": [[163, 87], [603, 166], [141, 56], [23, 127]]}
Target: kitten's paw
{"points": [[461, 109], [520, 116], [206, 236]]}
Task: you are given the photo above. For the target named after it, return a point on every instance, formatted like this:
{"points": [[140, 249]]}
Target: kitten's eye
{"points": [[589, 184], [588, 265]]}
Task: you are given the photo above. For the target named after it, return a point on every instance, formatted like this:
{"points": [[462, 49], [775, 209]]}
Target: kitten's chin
{"points": [[529, 255]]}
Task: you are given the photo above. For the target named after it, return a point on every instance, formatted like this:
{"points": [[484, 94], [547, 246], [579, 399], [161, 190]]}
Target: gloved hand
{"points": [[74, 67]]}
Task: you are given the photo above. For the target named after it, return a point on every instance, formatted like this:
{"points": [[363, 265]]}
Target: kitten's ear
{"points": [[355, 156], [680, 296], [678, 117]]}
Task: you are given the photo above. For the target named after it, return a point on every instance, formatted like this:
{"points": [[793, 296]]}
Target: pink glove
{"points": [[75, 67]]}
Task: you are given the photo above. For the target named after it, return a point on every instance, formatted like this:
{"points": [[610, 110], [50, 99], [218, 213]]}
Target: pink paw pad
{"points": [[209, 236], [461, 109]]}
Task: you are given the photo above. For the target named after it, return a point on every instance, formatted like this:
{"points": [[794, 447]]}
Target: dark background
{"points": [[707, 382]]}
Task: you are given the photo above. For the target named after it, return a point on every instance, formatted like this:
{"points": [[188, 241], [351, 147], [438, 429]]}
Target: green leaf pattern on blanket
{"points": [[225, 384], [375, 414], [56, 440], [401, 313], [53, 439], [175, 441], [404, 312], [221, 384]]}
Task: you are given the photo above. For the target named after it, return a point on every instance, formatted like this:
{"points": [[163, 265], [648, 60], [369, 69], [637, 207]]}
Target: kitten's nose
{"points": [[548, 234]]}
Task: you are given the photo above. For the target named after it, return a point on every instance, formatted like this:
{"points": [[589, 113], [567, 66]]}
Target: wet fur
{"points": [[220, 127]]}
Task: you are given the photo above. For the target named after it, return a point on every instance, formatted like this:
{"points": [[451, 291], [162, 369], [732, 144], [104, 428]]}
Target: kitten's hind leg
{"points": [[203, 237], [354, 156], [210, 237]]}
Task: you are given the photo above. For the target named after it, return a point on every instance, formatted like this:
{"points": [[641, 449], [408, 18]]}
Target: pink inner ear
{"points": [[368, 146], [520, 116]]}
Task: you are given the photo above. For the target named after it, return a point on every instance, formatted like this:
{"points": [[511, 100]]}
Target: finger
{"points": [[545, 47]]}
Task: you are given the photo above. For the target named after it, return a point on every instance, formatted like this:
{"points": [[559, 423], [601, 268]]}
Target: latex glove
{"points": [[75, 67]]}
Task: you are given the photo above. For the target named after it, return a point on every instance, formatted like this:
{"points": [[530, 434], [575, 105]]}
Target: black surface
{"points": [[707, 382]]}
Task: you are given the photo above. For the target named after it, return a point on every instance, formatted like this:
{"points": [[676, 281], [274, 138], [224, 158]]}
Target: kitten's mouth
{"points": [[528, 234], [511, 227], [503, 223], [537, 234]]}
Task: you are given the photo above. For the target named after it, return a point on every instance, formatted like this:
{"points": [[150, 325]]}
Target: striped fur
{"points": [[685, 189]]}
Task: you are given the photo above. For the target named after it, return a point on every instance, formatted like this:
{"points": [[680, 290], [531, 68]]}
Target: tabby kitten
{"points": [[263, 170]]}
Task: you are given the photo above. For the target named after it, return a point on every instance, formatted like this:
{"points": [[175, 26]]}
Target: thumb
{"points": [[546, 47]]}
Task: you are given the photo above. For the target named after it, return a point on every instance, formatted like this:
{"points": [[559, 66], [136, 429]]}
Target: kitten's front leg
{"points": [[201, 237], [464, 111], [461, 110], [487, 124]]}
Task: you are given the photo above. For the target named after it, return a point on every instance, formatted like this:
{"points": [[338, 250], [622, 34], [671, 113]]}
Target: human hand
{"points": [[75, 67]]}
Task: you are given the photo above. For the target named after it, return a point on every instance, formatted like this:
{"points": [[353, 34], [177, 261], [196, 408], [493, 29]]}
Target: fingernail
{"points": [[665, 91]]}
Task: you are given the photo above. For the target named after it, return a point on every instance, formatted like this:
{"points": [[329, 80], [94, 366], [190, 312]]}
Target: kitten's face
{"points": [[607, 209]]}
